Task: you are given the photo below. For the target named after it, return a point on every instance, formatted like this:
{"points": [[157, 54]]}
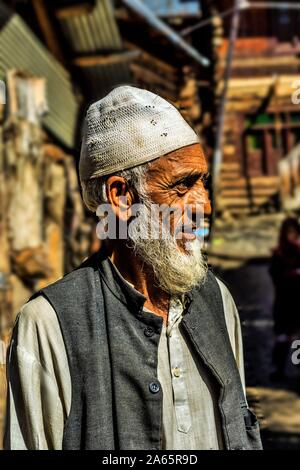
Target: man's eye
{"points": [[181, 187], [185, 184]]}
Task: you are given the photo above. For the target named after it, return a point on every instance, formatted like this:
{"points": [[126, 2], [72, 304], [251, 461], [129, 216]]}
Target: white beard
{"points": [[175, 271]]}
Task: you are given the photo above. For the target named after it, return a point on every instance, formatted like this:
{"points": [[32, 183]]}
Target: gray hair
{"points": [[94, 189]]}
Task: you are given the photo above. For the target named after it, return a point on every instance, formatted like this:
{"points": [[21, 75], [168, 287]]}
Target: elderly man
{"points": [[140, 347]]}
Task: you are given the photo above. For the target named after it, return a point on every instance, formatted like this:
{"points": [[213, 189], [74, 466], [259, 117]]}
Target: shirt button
{"points": [[154, 387], [148, 331], [176, 372]]}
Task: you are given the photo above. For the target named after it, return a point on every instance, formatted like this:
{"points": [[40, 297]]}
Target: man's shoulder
{"points": [[37, 348], [223, 287], [36, 319], [38, 310], [32, 309]]}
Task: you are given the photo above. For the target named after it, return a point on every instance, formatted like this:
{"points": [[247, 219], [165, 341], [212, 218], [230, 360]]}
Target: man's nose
{"points": [[199, 209], [207, 205], [202, 198]]}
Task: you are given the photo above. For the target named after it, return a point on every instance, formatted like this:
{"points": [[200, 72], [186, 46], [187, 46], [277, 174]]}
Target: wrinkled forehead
{"points": [[184, 160]]}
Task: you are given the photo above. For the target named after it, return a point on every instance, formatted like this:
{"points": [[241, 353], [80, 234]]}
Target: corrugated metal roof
{"points": [[168, 8], [103, 78], [22, 50], [93, 31], [97, 31]]}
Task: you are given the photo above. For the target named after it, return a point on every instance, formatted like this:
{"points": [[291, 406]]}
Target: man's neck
{"points": [[141, 277]]}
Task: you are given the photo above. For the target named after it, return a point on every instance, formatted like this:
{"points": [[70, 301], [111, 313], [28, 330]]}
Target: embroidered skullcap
{"points": [[128, 127]]}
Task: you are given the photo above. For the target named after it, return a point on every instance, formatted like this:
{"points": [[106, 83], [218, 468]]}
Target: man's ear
{"points": [[119, 196]]}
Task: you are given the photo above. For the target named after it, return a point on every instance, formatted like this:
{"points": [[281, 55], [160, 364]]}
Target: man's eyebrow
{"points": [[193, 174]]}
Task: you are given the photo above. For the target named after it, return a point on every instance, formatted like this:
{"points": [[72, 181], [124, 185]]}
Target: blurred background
{"points": [[232, 67]]}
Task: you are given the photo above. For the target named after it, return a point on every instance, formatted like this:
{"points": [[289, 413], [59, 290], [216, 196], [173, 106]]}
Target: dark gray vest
{"points": [[112, 347]]}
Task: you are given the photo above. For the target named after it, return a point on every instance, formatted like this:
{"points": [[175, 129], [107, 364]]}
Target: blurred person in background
{"points": [[285, 273]]}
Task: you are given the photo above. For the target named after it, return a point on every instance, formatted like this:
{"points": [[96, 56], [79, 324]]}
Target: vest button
{"points": [[154, 387], [149, 331], [176, 372]]}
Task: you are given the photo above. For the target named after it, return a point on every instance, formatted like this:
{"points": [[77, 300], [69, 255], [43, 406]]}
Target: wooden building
{"points": [[262, 120]]}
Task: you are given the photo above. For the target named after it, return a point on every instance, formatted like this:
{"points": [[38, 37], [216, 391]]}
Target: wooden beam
{"points": [[252, 183], [244, 192], [92, 60], [53, 152], [47, 29], [74, 10], [122, 14], [147, 57], [275, 126], [148, 76], [231, 202], [259, 62]]}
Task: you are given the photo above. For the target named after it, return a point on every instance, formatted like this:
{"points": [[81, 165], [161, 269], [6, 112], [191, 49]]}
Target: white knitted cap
{"points": [[128, 127]]}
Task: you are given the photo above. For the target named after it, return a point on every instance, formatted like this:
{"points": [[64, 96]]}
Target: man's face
{"points": [[178, 181], [173, 181]]}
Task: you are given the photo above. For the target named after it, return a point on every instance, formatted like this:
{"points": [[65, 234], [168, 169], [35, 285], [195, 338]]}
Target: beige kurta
{"points": [[40, 383]]}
